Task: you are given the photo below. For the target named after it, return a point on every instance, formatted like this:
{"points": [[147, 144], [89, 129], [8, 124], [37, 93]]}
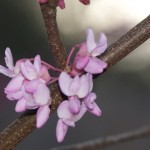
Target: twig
{"points": [[24, 125], [109, 140], [127, 43]]}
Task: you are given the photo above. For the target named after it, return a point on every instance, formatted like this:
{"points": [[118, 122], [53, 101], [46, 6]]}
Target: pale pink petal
{"points": [[37, 63], [28, 70], [15, 84], [42, 116], [96, 110], [85, 87], [89, 100], [74, 86], [101, 45], [9, 59], [44, 74], [63, 110], [61, 130], [78, 116], [92, 107], [32, 85], [42, 95], [82, 62], [30, 104], [64, 83], [7, 72], [21, 105], [61, 4], [15, 95], [74, 105], [95, 66], [68, 122], [90, 40]]}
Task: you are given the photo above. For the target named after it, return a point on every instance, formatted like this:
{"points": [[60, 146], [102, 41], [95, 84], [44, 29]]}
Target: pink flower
{"points": [[28, 86], [90, 104], [78, 86], [61, 4], [86, 57], [85, 2], [12, 70], [66, 119]]}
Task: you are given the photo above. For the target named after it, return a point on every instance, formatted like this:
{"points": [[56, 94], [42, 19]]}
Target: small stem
{"points": [[52, 81], [70, 54], [51, 67]]}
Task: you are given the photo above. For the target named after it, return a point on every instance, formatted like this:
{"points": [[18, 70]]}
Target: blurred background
{"points": [[123, 91]]}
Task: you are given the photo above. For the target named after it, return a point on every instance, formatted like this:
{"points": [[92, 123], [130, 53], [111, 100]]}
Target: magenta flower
{"points": [[66, 119], [86, 57]]}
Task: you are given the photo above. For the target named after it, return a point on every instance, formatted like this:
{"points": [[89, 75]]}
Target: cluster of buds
{"points": [[61, 3], [30, 80]]}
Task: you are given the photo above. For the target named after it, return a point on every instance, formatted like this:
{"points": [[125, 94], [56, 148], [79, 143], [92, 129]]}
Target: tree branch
{"points": [[24, 125], [109, 140]]}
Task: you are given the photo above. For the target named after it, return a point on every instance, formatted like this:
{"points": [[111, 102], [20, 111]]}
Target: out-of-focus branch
{"points": [[109, 140], [24, 125]]}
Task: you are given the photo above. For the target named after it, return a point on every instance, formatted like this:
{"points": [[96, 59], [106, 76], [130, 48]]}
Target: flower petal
{"points": [[15, 84], [85, 2], [28, 70], [95, 66], [64, 83], [42, 95], [21, 105], [101, 45], [82, 62], [7, 72], [9, 59], [96, 110], [63, 110], [90, 40], [61, 130], [61, 4], [37, 63], [74, 105], [78, 116], [74, 86], [42, 116], [84, 86]]}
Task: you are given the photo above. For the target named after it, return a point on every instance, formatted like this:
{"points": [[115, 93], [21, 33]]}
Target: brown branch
{"points": [[127, 43], [109, 140], [24, 125]]}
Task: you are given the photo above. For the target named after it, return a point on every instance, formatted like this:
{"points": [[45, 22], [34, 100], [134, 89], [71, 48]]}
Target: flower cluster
{"points": [[61, 3], [30, 79]]}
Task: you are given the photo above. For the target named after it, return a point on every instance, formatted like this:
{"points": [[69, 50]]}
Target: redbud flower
{"points": [[90, 104], [28, 85], [78, 86], [85, 2], [86, 57], [12, 70], [66, 119]]}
